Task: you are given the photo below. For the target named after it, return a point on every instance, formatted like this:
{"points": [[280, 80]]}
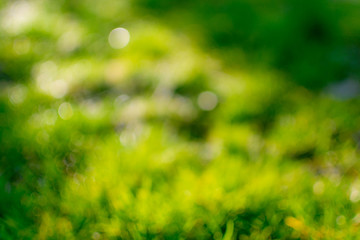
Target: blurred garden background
{"points": [[193, 119]]}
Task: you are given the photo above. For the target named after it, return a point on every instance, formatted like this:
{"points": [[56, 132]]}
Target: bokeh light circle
{"points": [[207, 100], [119, 38]]}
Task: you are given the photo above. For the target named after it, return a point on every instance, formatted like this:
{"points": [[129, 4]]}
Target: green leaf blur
{"points": [[159, 119]]}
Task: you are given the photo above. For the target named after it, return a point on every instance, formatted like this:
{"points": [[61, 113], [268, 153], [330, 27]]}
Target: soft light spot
{"points": [[131, 135], [115, 71], [119, 38], [120, 100], [18, 94], [58, 88], [128, 139], [346, 89], [340, 220], [184, 108], [96, 236], [49, 117], [69, 41], [134, 110], [354, 195], [209, 152], [65, 111], [356, 219], [44, 73], [318, 188], [18, 16], [207, 101], [93, 108]]}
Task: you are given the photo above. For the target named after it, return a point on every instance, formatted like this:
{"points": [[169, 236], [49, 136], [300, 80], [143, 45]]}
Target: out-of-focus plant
{"points": [[160, 120]]}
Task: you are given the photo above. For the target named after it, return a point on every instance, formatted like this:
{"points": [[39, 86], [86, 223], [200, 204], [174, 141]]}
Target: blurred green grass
{"points": [[217, 120]]}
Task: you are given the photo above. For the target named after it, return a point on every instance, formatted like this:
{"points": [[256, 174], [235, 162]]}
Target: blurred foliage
{"points": [[314, 42], [219, 120]]}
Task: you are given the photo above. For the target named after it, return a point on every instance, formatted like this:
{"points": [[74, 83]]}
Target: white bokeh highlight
{"points": [[207, 100], [119, 38], [65, 111]]}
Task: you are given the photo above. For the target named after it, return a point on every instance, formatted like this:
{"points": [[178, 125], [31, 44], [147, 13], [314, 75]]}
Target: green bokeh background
{"points": [[104, 143]]}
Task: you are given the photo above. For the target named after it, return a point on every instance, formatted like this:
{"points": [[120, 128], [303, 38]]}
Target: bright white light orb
{"points": [[207, 100], [119, 38], [58, 88], [65, 111]]}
